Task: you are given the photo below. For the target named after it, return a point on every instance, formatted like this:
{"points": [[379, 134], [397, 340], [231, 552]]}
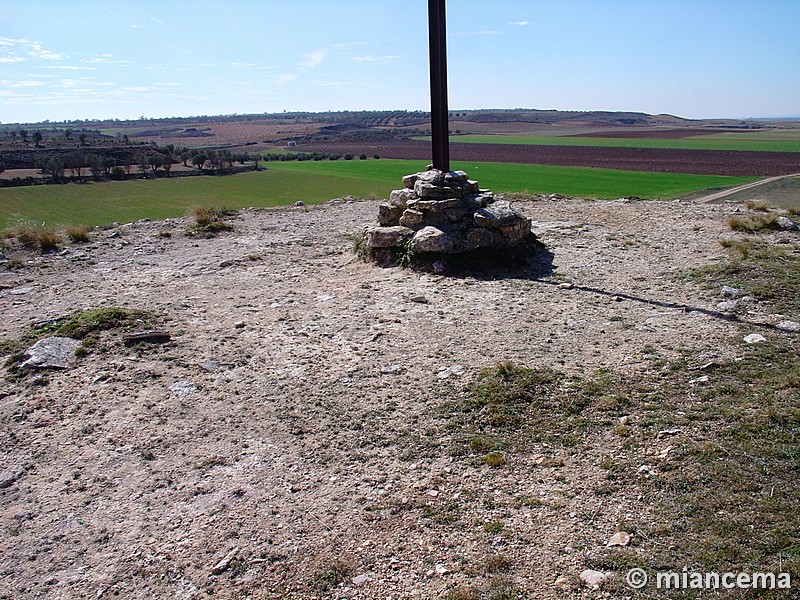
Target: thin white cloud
{"points": [[313, 59], [37, 51], [105, 59], [521, 23], [71, 83], [284, 79], [30, 49], [21, 84], [375, 58], [4, 41], [473, 33], [238, 65], [342, 46], [69, 68]]}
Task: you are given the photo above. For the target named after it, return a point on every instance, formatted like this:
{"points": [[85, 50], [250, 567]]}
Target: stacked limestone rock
{"points": [[440, 213]]}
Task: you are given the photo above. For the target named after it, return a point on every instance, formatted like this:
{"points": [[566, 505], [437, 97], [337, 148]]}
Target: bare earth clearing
{"points": [[295, 417]]}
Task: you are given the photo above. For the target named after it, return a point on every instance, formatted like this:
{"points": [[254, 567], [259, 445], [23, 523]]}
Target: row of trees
{"points": [[37, 136], [161, 161]]}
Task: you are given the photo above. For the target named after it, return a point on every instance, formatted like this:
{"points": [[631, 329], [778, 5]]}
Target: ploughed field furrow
{"points": [[743, 163], [649, 134]]}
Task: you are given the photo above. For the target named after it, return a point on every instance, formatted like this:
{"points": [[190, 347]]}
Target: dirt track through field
{"points": [[740, 188]]}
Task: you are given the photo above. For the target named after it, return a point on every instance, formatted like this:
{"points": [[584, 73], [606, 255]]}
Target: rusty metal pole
{"points": [[437, 33]]}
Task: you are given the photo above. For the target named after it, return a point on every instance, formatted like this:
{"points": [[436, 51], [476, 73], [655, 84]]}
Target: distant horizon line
{"points": [[145, 119]]}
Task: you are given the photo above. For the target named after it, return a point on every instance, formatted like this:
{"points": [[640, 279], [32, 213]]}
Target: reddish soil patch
{"points": [[659, 160]]}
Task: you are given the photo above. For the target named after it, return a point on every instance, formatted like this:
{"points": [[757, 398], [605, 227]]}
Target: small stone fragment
{"points": [[594, 579], [387, 237], [562, 582], [565, 286], [360, 579], [754, 338], [389, 215], [183, 388], [621, 538], [432, 239], [646, 470], [791, 326], [731, 292], [51, 353], [445, 372], [400, 198], [412, 218], [223, 565], [9, 477], [787, 224]]}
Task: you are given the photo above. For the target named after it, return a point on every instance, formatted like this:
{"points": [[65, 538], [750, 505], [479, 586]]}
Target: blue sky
{"points": [[71, 59]]}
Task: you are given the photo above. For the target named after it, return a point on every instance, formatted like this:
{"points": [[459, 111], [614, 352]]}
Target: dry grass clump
{"points": [[760, 205], [209, 221], [32, 236], [755, 223], [78, 233]]}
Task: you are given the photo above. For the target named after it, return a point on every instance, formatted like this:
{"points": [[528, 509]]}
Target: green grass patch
{"points": [[312, 182], [509, 407], [717, 142], [82, 324], [533, 179], [209, 221]]}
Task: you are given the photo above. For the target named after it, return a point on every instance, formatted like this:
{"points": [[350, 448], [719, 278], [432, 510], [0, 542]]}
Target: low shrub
{"points": [[78, 233]]}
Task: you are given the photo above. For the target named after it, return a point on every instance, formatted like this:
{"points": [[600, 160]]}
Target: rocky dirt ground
{"points": [[289, 440]]}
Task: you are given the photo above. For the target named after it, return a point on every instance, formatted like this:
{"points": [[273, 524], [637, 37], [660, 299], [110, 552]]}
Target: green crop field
{"points": [[727, 141], [313, 182]]}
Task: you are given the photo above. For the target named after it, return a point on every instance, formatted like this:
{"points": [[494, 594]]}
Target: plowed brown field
{"points": [[659, 160], [659, 134]]}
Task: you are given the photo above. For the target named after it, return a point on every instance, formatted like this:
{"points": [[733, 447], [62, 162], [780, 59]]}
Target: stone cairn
{"points": [[439, 217]]}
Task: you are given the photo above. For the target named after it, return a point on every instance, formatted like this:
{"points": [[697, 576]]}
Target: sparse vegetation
{"points": [[494, 459], [760, 205], [405, 255], [755, 223], [331, 575], [78, 233], [85, 323], [511, 407], [210, 221], [33, 236]]}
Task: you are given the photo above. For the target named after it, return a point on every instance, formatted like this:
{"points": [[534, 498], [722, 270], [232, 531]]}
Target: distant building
{"points": [[292, 144]]}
